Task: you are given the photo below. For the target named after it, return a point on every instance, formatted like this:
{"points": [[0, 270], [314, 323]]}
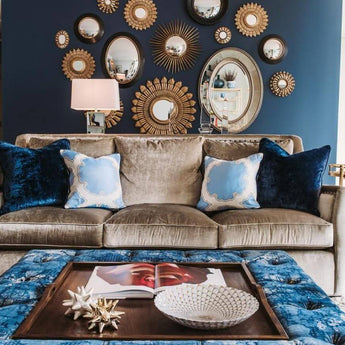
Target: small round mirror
{"points": [[251, 20], [140, 13], [107, 2], [162, 109], [175, 46], [89, 28], [207, 12], [282, 83], [78, 66], [272, 49]]}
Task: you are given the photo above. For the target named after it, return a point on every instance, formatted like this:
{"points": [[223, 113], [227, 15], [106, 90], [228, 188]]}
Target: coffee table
{"points": [[306, 312]]}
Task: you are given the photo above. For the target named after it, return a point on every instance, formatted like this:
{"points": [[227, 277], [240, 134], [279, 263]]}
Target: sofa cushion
{"points": [[160, 170], [53, 227], [273, 228], [160, 225]]}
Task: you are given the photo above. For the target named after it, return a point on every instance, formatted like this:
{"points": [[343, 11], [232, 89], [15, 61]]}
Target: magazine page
{"points": [[170, 274], [135, 280]]}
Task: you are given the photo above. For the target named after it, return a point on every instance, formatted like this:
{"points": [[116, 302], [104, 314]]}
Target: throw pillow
{"points": [[229, 184], [94, 182], [291, 181], [33, 177]]}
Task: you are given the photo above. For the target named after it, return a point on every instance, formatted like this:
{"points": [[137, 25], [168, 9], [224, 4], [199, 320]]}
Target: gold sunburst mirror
{"points": [[251, 20], [112, 117], [282, 84], [62, 39], [175, 46], [140, 14], [223, 35], [108, 6], [163, 107], [78, 63]]}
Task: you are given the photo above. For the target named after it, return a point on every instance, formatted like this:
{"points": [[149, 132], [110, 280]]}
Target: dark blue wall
{"points": [[37, 94]]}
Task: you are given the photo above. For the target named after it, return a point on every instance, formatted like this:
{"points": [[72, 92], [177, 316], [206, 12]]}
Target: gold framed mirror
{"points": [[112, 117], [163, 107], [89, 28], [282, 84], [175, 46], [62, 39], [251, 20], [140, 14], [223, 35], [108, 6], [78, 63], [231, 89]]}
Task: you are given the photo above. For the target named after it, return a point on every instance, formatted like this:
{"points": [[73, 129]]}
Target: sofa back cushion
{"points": [[161, 170]]}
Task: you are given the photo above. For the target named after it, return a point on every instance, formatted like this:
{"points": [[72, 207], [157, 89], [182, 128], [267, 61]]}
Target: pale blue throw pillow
{"points": [[94, 182], [229, 184]]}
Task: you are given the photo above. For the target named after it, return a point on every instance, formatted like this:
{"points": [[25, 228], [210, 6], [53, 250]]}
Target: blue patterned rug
{"points": [[308, 315]]}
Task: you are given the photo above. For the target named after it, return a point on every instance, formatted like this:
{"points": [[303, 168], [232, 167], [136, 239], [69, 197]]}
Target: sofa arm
{"points": [[332, 208]]}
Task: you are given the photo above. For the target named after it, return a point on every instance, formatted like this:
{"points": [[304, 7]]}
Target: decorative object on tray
{"points": [[175, 46], [163, 107], [89, 28], [251, 20], [62, 39], [123, 58], [337, 170], [222, 35], [103, 314], [273, 49], [282, 84], [78, 63], [206, 306], [140, 14], [108, 6], [207, 12], [80, 302]]}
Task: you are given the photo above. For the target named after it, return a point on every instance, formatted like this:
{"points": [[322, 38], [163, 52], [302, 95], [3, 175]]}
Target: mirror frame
{"points": [[133, 21], [140, 53], [57, 41], [93, 39], [255, 82], [205, 21], [261, 49], [290, 84], [81, 54]]}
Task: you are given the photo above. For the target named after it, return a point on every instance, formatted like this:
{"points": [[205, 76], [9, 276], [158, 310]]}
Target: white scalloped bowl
{"points": [[206, 306]]}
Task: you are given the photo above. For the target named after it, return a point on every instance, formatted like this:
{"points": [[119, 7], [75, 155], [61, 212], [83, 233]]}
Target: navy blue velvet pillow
{"points": [[33, 177], [291, 181]]}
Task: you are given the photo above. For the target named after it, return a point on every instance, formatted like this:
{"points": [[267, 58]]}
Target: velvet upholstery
{"points": [[291, 181], [33, 177]]}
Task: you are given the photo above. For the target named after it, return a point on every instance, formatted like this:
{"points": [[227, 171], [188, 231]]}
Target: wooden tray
{"points": [[142, 320]]}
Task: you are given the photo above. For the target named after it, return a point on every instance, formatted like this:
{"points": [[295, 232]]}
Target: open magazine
{"points": [[143, 280]]}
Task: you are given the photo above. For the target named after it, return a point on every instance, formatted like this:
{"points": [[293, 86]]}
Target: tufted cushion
{"points": [[273, 228], [160, 225]]}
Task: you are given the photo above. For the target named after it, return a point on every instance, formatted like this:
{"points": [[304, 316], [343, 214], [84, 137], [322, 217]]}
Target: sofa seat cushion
{"points": [[273, 228], [160, 225], [53, 227]]}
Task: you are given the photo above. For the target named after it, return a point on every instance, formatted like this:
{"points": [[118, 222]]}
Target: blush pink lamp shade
{"points": [[95, 94]]}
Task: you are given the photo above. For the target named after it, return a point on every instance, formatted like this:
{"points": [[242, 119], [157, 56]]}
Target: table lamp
{"points": [[95, 96]]}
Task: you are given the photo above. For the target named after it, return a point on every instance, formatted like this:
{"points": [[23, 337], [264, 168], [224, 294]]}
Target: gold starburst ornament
{"points": [[282, 84], [108, 6], [140, 14], [78, 63]]}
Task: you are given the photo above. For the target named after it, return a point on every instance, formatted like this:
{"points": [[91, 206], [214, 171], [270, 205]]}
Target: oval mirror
{"points": [[163, 108], [207, 12], [123, 59], [89, 28], [62, 39], [175, 46], [231, 88], [272, 49]]}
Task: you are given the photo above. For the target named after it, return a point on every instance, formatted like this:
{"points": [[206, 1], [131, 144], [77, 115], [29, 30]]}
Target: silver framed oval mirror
{"points": [[207, 12], [231, 89], [89, 28], [273, 49], [123, 59]]}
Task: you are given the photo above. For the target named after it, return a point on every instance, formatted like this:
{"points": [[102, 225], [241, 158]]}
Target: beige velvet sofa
{"points": [[161, 179]]}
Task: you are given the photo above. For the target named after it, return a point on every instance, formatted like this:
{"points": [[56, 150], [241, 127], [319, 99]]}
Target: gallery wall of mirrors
{"points": [[228, 81]]}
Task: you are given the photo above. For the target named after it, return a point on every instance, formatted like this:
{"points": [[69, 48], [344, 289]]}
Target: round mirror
{"points": [[222, 35], [123, 59], [230, 86], [62, 39], [175, 46], [78, 65], [140, 13], [282, 83], [207, 12], [89, 28], [272, 49], [162, 109], [251, 19]]}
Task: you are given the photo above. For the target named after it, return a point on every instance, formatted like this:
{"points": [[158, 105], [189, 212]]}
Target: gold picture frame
{"points": [[282, 84], [62, 39], [78, 63], [251, 20], [175, 46], [150, 107], [140, 14], [108, 6], [223, 35]]}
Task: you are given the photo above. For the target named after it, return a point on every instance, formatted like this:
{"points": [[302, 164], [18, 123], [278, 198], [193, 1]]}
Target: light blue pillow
{"points": [[94, 182], [229, 184]]}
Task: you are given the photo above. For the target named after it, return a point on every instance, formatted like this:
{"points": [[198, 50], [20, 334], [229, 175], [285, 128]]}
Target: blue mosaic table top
{"points": [[306, 312]]}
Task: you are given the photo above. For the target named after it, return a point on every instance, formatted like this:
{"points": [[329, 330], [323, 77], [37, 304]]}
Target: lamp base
{"points": [[95, 122]]}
